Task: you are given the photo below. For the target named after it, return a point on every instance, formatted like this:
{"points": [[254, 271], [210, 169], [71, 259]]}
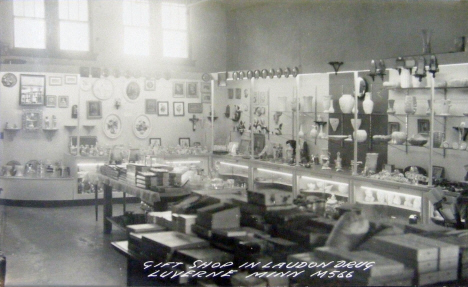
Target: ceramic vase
{"points": [[356, 123], [368, 104], [410, 105], [307, 104], [346, 103], [313, 132], [326, 103], [331, 109], [300, 134], [391, 104], [321, 134], [360, 136]]}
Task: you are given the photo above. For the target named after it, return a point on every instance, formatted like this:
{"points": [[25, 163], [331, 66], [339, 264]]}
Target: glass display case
{"points": [[236, 169], [273, 176]]}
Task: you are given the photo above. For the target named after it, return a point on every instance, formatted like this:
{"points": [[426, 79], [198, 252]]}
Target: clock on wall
{"points": [[103, 89]]}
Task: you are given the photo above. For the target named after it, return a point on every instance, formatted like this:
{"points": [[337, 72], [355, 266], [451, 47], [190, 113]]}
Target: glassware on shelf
{"points": [[410, 105], [391, 104]]}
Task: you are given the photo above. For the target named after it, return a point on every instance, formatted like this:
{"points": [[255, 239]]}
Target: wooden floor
{"points": [[60, 247]]}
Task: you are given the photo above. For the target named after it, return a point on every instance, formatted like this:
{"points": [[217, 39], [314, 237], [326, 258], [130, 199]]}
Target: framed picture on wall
{"points": [[150, 85], [424, 126], [163, 108], [55, 81], [51, 101], [238, 93], [393, 127], [179, 109], [32, 90], [63, 101], [71, 80], [179, 90], [154, 142], [93, 109], [230, 94], [32, 119], [151, 106], [192, 89], [184, 142], [195, 108]]}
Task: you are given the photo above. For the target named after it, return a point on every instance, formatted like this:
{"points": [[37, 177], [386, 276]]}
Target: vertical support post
{"points": [[107, 208]]}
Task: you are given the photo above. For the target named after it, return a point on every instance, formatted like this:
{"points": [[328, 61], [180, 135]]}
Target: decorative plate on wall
{"points": [[103, 89], [132, 91], [142, 127], [9, 80], [112, 126]]}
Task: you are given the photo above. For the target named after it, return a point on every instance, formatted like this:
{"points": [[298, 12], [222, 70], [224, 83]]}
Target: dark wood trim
{"points": [[63, 203]]}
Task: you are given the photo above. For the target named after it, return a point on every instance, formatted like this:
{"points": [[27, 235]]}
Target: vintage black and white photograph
{"points": [[178, 90], [262, 179], [94, 109]]}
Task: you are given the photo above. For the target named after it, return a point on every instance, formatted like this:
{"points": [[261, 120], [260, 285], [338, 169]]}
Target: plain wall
{"points": [[312, 33]]}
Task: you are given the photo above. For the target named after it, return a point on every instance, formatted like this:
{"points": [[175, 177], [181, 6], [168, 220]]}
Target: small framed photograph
{"points": [[63, 101], [154, 142], [192, 89], [179, 109], [32, 90], [93, 109], [424, 126], [71, 80], [230, 94], [179, 90], [238, 93], [32, 119], [438, 172], [163, 108], [184, 142], [195, 108], [55, 81], [393, 127], [51, 101], [205, 88], [150, 85], [151, 106]]}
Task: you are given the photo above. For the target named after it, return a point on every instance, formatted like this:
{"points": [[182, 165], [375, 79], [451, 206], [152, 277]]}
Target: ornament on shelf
{"points": [[334, 122], [391, 104], [368, 104], [338, 162], [346, 103]]}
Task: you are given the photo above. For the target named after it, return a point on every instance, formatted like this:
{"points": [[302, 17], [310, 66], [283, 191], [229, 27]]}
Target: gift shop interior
{"points": [[287, 143]]}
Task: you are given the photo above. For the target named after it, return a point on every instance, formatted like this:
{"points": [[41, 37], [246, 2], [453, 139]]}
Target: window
{"points": [[29, 24], [74, 27], [136, 27], [175, 34]]}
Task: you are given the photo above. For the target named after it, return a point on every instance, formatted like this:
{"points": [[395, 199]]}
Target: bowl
{"points": [[398, 137], [360, 135], [417, 142], [382, 138]]}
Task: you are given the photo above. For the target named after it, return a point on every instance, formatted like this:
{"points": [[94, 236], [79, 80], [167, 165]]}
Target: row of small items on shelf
{"points": [[34, 168]]}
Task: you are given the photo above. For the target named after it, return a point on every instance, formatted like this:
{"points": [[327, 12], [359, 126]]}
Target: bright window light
{"points": [[74, 26], [175, 33], [136, 27], [29, 22]]}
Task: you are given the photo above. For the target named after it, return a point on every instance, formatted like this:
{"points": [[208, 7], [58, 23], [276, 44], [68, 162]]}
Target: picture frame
{"points": [[150, 85], [192, 89], [238, 93], [178, 109], [195, 108], [230, 94], [151, 106], [206, 98], [55, 81], [93, 109], [32, 119], [142, 126], [205, 88], [133, 155], [244, 147], [184, 142], [424, 126], [32, 90], [112, 126], [51, 101], [63, 101], [71, 79], [438, 172], [178, 90], [163, 109], [393, 127], [154, 142]]}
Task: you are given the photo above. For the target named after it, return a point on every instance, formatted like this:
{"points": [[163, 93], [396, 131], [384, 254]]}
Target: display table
{"points": [[158, 200]]}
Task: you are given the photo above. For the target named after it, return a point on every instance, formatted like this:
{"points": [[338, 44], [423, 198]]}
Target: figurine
{"points": [[279, 153], [305, 157], [291, 151], [325, 161], [46, 123], [54, 122], [338, 161]]}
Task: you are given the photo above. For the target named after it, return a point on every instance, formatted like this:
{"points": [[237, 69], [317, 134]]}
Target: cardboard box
{"points": [[219, 216], [163, 243], [270, 197]]}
